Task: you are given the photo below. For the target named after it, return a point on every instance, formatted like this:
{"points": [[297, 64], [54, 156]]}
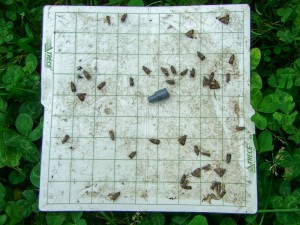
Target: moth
{"points": [[207, 198], [184, 72], [227, 78], [112, 135], [201, 56], [196, 149], [218, 188], [213, 196], [107, 18], [224, 19], [237, 109], [197, 172], [206, 167], [146, 70], [101, 85], [221, 195], [182, 140], [185, 185], [165, 71], [123, 18], [172, 82], [81, 96], [214, 85], [113, 196], [66, 138], [205, 81], [228, 158], [131, 81], [239, 128], [183, 178], [211, 77], [73, 87], [220, 171], [231, 59], [192, 72], [205, 153], [190, 33], [213, 185], [173, 70], [154, 141], [211, 82], [87, 75], [131, 155]]}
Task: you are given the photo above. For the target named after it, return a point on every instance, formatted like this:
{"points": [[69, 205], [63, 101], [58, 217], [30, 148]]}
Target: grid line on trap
{"points": [[95, 84], [179, 153], [243, 62], [222, 110], [200, 102], [158, 105], [137, 111], [115, 147], [70, 192]]}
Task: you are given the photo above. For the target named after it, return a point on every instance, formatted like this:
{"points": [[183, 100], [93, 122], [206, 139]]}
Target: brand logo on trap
{"points": [[48, 54], [251, 166]]}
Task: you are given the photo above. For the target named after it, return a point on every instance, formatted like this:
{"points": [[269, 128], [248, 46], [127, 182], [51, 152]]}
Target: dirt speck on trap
{"points": [[108, 111]]}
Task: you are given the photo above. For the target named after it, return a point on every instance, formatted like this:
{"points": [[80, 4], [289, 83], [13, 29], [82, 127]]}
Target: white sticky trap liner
{"points": [[87, 171]]}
